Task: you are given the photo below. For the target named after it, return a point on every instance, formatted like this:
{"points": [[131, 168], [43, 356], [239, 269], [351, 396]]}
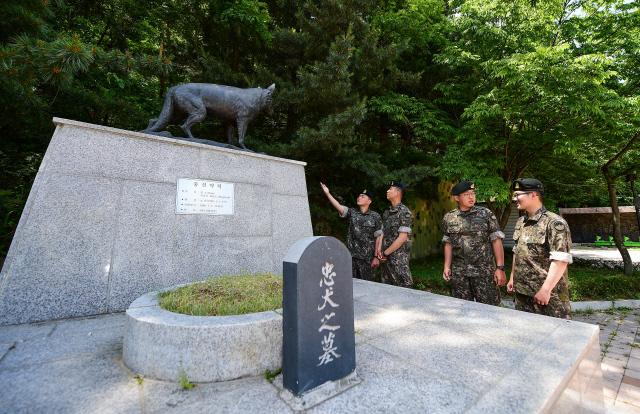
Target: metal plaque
{"points": [[204, 197]]}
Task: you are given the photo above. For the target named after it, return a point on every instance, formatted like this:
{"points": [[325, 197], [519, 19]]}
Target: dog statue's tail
{"points": [[160, 123]]}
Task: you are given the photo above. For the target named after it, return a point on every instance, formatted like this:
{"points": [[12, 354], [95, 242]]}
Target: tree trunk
{"points": [[504, 215], [617, 231], [636, 203], [161, 78], [613, 200]]}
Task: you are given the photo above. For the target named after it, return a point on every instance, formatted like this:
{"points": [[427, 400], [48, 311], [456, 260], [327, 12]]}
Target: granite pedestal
{"points": [[100, 228]]}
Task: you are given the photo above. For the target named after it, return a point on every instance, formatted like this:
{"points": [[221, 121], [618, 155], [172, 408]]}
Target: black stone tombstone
{"points": [[319, 340]]}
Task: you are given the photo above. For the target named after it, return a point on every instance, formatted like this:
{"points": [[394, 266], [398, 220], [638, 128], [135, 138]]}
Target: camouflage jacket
{"points": [[471, 234], [363, 230], [539, 240], [396, 220]]}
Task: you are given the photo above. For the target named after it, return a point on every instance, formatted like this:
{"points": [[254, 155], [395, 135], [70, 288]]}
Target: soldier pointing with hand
{"points": [[365, 233]]}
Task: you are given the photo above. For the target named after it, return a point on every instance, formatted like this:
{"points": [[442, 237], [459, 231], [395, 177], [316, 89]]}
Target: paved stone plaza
{"points": [[415, 350], [620, 345], [599, 253]]}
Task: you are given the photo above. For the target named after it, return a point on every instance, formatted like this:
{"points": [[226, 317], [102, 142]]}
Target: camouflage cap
{"points": [[527, 184], [462, 186]]}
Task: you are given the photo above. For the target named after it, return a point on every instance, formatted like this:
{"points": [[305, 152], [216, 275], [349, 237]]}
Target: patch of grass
{"points": [[139, 379], [226, 295], [587, 311], [605, 347], [185, 384], [427, 275], [621, 311], [271, 375], [585, 283]]}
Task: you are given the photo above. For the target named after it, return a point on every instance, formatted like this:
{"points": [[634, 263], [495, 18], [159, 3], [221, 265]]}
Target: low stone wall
{"points": [[165, 345], [603, 263], [587, 223]]}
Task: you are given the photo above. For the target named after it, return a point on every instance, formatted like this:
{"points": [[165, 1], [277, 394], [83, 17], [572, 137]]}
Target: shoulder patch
{"points": [[559, 226]]}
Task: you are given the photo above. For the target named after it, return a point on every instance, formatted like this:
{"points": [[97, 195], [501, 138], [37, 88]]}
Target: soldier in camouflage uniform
{"points": [[365, 227], [472, 239], [396, 243], [541, 255]]}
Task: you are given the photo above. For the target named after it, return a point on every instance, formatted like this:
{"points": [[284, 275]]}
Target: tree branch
{"points": [[605, 168]]}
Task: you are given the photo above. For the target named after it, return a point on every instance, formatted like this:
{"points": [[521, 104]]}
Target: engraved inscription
{"points": [[204, 197]]}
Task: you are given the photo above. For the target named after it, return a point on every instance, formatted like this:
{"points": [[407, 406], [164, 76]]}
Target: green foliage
{"points": [[419, 90], [14, 191], [585, 283], [427, 275], [609, 243], [185, 384], [271, 375]]}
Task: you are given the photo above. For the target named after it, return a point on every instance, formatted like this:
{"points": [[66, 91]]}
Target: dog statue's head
{"points": [[267, 99]]}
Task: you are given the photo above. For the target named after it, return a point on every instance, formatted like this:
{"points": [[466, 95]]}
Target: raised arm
{"points": [[339, 207]]}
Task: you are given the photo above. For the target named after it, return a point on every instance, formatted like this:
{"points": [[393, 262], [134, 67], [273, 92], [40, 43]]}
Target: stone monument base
{"points": [[101, 226], [317, 395]]}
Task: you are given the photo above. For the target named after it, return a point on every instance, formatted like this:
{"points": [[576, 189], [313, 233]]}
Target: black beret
{"points": [[527, 184], [462, 186], [367, 193], [396, 183]]}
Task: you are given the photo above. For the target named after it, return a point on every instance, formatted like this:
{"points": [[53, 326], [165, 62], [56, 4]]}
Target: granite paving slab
{"points": [[5, 348], [619, 347], [417, 352]]}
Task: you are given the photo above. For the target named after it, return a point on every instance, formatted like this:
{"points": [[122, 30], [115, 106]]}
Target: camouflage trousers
{"points": [[396, 271], [361, 269], [556, 307], [482, 289]]}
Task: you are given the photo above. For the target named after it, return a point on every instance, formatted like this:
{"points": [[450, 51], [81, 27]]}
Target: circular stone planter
{"points": [[166, 345]]}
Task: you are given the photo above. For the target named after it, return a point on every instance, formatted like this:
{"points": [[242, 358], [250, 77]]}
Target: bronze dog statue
{"points": [[194, 101]]}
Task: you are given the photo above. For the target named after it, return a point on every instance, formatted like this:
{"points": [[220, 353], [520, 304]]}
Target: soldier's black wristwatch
{"points": [[501, 267]]}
